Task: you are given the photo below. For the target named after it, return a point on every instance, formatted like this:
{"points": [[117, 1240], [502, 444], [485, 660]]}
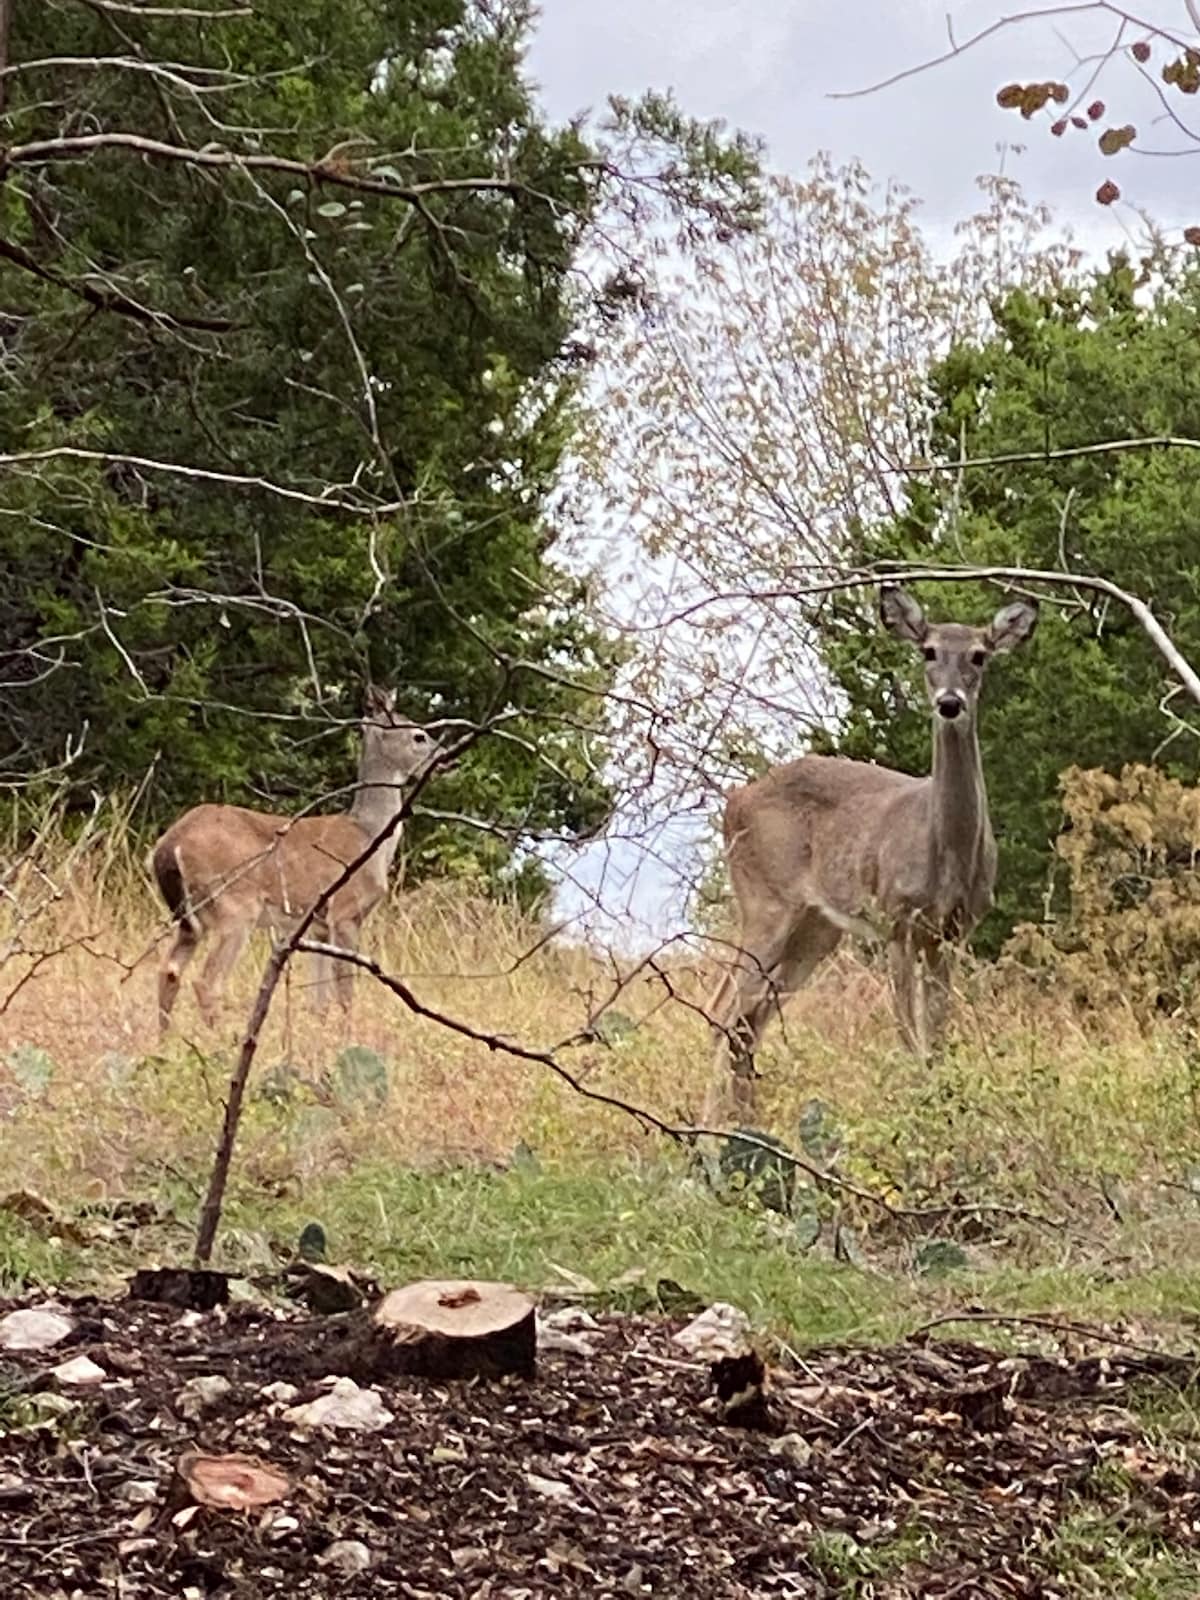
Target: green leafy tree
{"points": [[328, 256], [1108, 358]]}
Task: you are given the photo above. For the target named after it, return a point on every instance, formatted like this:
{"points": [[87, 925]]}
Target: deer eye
{"points": [[929, 652], [978, 658]]}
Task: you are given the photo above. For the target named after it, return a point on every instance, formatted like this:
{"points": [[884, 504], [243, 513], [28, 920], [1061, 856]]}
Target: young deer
{"points": [[225, 870], [822, 847]]}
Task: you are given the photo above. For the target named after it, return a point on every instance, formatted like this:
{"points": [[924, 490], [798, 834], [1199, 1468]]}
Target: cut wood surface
{"points": [[457, 1327], [229, 1482]]}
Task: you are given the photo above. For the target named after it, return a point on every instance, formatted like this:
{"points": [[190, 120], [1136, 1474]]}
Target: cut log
{"points": [[190, 1288], [227, 1483], [457, 1328]]}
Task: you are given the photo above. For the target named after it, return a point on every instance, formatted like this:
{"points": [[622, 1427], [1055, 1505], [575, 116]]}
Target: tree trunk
{"points": [[455, 1329]]}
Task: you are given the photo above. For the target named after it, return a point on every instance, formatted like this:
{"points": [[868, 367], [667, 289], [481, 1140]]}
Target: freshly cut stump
{"points": [[227, 1483], [457, 1328]]}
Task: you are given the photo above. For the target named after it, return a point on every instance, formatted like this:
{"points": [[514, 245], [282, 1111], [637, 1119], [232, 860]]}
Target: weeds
{"points": [[421, 1150]]}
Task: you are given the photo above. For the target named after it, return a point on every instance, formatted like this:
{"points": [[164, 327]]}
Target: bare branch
{"points": [[322, 502], [130, 8], [651, 1121], [1001, 24], [109, 299], [210, 1213], [45, 152]]}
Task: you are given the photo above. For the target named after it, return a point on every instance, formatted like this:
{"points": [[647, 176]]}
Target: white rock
{"points": [[200, 1395], [550, 1488], [720, 1331], [79, 1372], [567, 1329], [793, 1447], [347, 1556], [137, 1492], [282, 1393], [38, 1328], [345, 1406]]}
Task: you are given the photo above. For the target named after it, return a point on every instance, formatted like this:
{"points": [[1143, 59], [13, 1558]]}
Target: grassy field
{"points": [[421, 1150]]}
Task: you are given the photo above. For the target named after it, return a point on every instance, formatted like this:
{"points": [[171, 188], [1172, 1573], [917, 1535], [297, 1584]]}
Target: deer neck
{"points": [[378, 800], [959, 826]]}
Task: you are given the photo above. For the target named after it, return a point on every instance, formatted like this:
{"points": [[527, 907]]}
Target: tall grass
{"points": [[1086, 1120]]}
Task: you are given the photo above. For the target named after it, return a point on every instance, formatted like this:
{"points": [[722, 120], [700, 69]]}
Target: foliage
{"points": [[391, 324], [1131, 844], [1105, 51], [748, 422], [1162, 57], [1102, 359]]}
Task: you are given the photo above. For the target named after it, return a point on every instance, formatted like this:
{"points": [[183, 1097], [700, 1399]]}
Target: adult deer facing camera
{"points": [[823, 846], [225, 870]]}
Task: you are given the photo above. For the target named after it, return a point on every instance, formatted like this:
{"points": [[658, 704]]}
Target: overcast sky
{"points": [[769, 66]]}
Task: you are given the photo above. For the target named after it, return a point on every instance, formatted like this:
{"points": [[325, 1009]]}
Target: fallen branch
{"points": [[651, 1121], [1077, 1330]]}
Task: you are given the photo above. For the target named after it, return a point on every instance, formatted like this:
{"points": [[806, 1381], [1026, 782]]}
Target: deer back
{"points": [[232, 860], [842, 836]]}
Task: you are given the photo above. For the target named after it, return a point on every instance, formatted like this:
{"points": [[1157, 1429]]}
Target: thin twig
{"points": [[1079, 1330], [650, 1120]]}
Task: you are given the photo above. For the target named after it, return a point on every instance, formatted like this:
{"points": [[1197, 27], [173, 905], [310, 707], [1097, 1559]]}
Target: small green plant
{"points": [[360, 1074], [32, 1069]]}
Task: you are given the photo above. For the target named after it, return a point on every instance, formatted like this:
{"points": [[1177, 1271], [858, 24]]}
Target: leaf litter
{"points": [[941, 1467]]}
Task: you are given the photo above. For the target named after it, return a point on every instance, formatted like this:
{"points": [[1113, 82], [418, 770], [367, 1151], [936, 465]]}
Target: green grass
{"points": [[1097, 1555], [619, 1227]]}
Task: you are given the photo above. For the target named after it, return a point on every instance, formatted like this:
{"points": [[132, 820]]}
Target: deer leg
{"points": [[170, 974], [770, 970], [936, 975], [739, 1014], [346, 938], [902, 961], [322, 970], [231, 939]]}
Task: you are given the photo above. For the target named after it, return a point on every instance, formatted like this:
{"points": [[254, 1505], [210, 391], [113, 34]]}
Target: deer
{"points": [[824, 846], [226, 870]]}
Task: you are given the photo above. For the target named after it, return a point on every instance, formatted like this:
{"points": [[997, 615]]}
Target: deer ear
{"points": [[1012, 625], [902, 616], [379, 700]]}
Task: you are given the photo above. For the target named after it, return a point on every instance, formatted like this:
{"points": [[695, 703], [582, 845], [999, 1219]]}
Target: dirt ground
{"points": [[936, 1469]]}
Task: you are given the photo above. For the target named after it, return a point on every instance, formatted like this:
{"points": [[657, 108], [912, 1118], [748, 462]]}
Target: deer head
{"points": [[956, 656], [392, 744]]}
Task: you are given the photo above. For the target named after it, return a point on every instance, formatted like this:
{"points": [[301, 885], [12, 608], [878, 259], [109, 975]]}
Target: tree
{"points": [[1107, 358], [293, 331]]}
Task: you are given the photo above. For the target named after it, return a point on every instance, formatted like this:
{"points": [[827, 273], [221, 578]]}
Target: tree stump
{"points": [[451, 1328]]}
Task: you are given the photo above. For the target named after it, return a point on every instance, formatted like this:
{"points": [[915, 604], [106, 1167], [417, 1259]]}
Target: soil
{"points": [[935, 1469]]}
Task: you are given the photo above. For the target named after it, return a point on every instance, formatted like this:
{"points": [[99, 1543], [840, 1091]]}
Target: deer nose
{"points": [[950, 706]]}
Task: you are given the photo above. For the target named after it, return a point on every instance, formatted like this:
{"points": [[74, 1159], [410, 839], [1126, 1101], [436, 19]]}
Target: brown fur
{"points": [[225, 870], [822, 847]]}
